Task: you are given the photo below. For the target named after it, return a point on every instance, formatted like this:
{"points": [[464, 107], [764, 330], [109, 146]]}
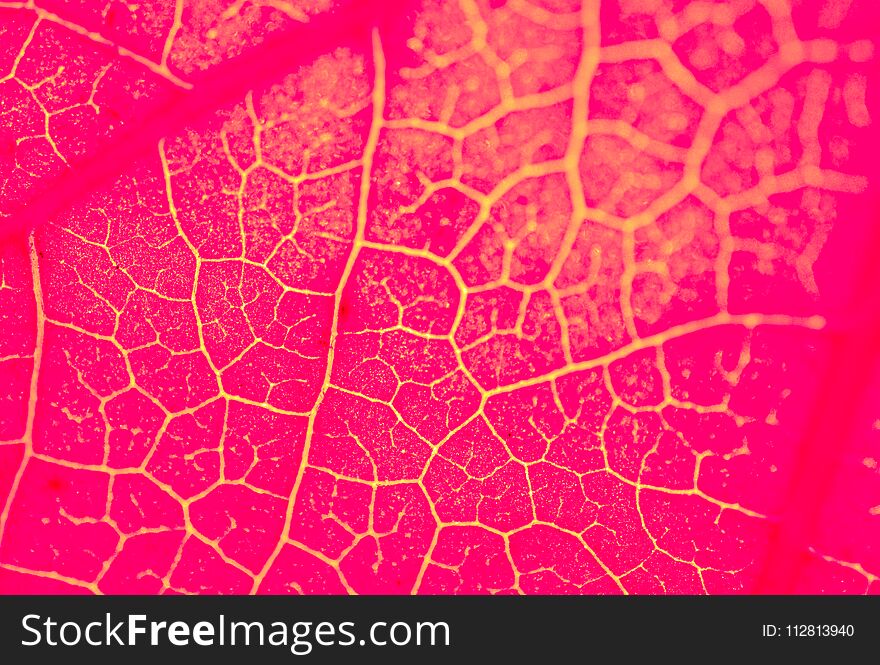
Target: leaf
{"points": [[443, 297]]}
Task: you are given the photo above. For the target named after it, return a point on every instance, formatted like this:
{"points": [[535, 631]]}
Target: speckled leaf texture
{"points": [[439, 297]]}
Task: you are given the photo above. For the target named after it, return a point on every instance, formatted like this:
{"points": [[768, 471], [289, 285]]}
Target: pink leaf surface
{"points": [[439, 297]]}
